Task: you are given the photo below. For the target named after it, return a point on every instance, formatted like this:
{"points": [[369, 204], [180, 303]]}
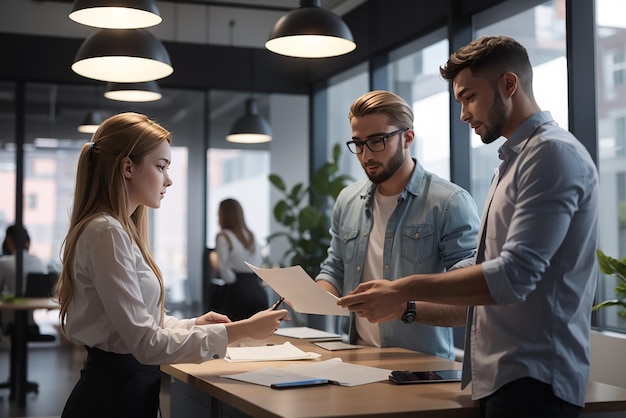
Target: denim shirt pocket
{"points": [[348, 237], [417, 243]]}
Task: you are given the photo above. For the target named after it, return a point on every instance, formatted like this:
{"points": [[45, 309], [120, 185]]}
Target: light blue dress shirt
{"points": [[434, 225], [538, 239]]}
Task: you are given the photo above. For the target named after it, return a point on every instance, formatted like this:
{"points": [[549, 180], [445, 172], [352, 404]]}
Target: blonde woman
{"points": [[235, 243], [111, 290]]}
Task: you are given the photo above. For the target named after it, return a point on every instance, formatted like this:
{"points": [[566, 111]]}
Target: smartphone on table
{"points": [[403, 377]]}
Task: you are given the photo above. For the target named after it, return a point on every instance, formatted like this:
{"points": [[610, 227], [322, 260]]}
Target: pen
{"points": [[277, 304]]}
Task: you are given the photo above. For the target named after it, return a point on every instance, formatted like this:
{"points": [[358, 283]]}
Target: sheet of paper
{"points": [[268, 377], [295, 285], [345, 374], [336, 345], [335, 370], [286, 351], [307, 333]]}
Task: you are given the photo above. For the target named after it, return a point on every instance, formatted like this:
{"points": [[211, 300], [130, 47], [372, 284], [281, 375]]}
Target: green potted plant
{"points": [[616, 268], [306, 225]]}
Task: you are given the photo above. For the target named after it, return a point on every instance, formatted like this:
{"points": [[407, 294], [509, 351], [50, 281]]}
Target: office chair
{"points": [[38, 285]]}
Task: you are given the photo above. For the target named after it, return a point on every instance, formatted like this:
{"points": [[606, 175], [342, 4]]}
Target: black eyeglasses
{"points": [[374, 144]]}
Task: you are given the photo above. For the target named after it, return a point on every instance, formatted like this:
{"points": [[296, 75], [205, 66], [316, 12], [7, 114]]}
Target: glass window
{"points": [[52, 146], [541, 30], [610, 61], [414, 75], [237, 171], [241, 175], [343, 90]]}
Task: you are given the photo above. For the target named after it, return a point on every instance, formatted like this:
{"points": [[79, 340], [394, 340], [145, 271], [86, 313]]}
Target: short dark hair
{"points": [[12, 232], [491, 54]]}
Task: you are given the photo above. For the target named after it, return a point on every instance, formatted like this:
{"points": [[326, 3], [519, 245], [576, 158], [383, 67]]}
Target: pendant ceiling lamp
{"points": [[133, 92], [122, 56], [116, 14], [251, 128], [90, 122], [310, 32]]}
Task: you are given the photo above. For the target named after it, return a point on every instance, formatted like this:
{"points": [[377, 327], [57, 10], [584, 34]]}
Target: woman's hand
{"points": [[259, 326], [212, 318]]}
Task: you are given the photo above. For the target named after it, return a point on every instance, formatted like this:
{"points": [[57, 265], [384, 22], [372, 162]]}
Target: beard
{"points": [[393, 165], [496, 119]]}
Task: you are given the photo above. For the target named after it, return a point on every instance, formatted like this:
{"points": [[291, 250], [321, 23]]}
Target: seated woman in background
{"points": [[235, 243]]}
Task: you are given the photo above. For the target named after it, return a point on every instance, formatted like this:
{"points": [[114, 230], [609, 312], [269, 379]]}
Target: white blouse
{"points": [[115, 306], [231, 260]]}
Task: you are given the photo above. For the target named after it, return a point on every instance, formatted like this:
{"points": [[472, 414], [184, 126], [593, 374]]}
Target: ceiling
{"points": [[54, 110]]}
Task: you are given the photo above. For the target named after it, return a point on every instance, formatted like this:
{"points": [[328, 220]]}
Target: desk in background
{"points": [[197, 389], [19, 343]]}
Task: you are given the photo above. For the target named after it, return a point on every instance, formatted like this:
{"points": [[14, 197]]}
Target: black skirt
{"points": [[243, 298], [114, 385]]}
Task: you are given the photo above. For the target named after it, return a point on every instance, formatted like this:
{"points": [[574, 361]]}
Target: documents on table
{"points": [[334, 370], [306, 333], [286, 351], [270, 376], [336, 345], [295, 285]]}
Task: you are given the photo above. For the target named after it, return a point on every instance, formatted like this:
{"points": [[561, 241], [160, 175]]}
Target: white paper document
{"points": [[268, 376], [286, 351], [306, 333], [334, 370], [336, 345], [295, 285]]}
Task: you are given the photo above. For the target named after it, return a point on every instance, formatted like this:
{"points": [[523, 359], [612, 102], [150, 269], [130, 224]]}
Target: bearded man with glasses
{"points": [[403, 220]]}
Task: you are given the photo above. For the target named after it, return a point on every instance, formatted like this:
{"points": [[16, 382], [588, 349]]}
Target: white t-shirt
{"points": [[115, 306], [383, 207], [231, 260]]}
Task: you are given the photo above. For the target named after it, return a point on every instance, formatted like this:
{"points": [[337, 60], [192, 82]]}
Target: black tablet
{"points": [[403, 377]]}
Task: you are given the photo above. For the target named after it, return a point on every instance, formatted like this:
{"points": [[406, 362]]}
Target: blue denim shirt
{"points": [[434, 225]]}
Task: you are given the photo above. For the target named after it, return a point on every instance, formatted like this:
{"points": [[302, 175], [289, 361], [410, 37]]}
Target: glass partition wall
{"points": [[611, 112], [207, 169]]}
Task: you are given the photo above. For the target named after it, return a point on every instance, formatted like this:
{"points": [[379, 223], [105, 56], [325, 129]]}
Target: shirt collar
{"points": [[516, 142]]}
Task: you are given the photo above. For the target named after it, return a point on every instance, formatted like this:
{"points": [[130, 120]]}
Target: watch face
{"points": [[408, 317], [410, 314]]}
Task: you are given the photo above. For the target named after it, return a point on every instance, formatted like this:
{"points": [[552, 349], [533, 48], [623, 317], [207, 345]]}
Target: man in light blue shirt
{"points": [[527, 347], [402, 220]]}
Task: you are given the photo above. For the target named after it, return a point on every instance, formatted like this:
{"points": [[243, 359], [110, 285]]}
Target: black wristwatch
{"points": [[409, 315]]}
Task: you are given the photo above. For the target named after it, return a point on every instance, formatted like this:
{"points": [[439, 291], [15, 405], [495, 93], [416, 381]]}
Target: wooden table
{"points": [[382, 399], [19, 343]]}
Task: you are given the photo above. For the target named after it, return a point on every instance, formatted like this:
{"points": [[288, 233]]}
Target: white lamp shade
{"points": [[116, 14], [122, 56], [310, 32], [133, 92]]}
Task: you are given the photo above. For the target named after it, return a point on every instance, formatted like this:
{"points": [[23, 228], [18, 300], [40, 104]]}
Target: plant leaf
{"points": [[278, 182]]}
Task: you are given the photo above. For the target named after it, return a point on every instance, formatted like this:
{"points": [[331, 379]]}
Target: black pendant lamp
{"points": [[310, 32], [116, 14], [251, 128], [122, 56], [90, 122], [133, 92]]}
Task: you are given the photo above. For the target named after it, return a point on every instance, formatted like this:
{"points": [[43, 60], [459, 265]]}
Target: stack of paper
{"points": [[286, 351]]}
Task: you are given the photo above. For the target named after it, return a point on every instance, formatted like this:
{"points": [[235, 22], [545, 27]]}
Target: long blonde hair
{"points": [[101, 188]]}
